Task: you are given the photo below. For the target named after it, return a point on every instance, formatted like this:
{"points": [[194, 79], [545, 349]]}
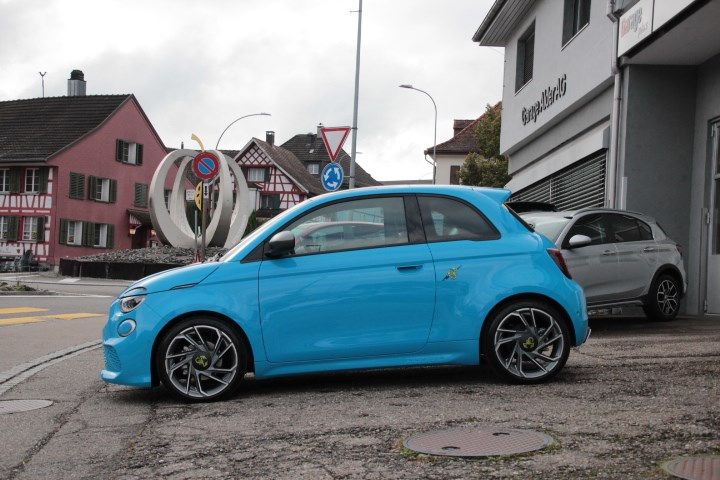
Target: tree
{"points": [[491, 168]]}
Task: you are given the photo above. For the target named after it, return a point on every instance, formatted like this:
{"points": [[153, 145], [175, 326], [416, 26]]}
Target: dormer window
{"points": [[313, 168]]}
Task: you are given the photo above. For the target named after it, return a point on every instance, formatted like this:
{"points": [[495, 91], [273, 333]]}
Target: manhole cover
{"points": [[478, 442], [695, 468], [16, 406]]}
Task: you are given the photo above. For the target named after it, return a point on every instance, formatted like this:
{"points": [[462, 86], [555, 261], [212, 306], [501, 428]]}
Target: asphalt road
{"points": [[637, 394]]}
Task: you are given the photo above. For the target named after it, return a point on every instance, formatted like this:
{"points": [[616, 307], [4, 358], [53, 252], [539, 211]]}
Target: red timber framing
{"points": [[278, 190]]}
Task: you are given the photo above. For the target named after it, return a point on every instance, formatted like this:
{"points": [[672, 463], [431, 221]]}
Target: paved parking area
{"points": [[637, 394]]}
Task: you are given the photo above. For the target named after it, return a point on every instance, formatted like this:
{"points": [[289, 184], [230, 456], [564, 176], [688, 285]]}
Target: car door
{"points": [[637, 255], [468, 254], [356, 291], [593, 266]]}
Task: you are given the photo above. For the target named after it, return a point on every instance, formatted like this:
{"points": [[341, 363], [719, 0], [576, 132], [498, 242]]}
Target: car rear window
{"points": [[550, 226]]}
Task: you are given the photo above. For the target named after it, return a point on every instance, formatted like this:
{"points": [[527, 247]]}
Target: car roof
{"points": [[498, 195], [583, 211]]}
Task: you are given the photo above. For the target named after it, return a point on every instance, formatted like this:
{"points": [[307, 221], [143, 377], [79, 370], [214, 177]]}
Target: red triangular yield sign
{"points": [[334, 138]]}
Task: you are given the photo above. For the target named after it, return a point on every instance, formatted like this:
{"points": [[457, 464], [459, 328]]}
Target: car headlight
{"points": [[128, 304]]}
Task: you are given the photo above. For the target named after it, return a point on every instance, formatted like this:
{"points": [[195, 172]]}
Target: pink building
{"points": [[75, 174]]}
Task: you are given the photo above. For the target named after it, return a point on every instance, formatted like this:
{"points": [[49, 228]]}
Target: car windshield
{"points": [[550, 226]]}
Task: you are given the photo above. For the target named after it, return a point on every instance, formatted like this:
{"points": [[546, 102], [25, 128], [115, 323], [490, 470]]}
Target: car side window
{"points": [[366, 223], [629, 229], [592, 226], [446, 219]]}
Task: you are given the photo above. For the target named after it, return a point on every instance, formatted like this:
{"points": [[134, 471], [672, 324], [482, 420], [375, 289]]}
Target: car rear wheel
{"points": [[527, 342], [663, 301], [201, 359]]}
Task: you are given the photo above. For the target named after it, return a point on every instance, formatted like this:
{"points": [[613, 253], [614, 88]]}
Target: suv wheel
{"points": [[663, 300]]}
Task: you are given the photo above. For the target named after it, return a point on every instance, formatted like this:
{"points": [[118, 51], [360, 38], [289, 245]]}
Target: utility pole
{"points": [[353, 151], [42, 77]]}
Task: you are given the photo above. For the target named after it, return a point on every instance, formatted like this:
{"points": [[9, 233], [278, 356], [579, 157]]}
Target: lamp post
{"points": [[434, 162], [233, 123]]}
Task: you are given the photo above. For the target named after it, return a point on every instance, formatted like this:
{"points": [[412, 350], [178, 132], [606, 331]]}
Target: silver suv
{"points": [[620, 258]]}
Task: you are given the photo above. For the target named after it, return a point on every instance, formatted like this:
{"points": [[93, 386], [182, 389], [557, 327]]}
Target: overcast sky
{"points": [[195, 66]]}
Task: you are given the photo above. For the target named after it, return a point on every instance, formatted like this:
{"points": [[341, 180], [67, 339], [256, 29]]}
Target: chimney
{"points": [[270, 137], [76, 84], [319, 129]]}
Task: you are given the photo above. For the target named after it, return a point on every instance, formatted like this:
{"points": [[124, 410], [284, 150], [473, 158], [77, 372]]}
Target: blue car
{"points": [[357, 279]]}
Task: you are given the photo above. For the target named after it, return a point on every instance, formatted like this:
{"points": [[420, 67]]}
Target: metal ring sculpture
{"points": [[228, 221]]}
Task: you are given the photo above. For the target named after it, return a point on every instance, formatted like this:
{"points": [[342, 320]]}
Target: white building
{"points": [[617, 103]]}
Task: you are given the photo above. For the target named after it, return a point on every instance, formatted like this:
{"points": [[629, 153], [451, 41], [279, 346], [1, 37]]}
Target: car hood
{"points": [[181, 277]]}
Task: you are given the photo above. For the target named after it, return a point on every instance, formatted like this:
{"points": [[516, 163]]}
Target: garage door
{"points": [[582, 184]]}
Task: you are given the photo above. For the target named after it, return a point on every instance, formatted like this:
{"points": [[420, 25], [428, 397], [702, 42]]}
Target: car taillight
{"points": [[556, 255], [679, 248]]}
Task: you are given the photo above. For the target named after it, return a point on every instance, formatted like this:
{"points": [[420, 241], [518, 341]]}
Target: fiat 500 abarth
{"points": [[358, 279]]}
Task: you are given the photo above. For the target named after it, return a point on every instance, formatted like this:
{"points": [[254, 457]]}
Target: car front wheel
{"points": [[201, 359], [663, 301], [527, 342]]}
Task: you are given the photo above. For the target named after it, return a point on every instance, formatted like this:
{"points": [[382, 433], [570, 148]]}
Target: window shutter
{"points": [[113, 191], [12, 232], [118, 150], [92, 182], [276, 202], [267, 174], [77, 185], [139, 154], [63, 231], [44, 177], [40, 229], [15, 180], [110, 240], [88, 233]]}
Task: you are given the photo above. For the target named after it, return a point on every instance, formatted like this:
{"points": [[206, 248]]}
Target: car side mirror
{"points": [[577, 241], [281, 244]]}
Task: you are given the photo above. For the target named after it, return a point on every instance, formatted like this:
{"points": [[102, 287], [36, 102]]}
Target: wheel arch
{"points": [[210, 314], [519, 298], [673, 271]]}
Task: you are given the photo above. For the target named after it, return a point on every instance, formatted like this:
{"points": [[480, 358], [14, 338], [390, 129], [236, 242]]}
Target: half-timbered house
{"points": [[74, 175], [283, 176]]}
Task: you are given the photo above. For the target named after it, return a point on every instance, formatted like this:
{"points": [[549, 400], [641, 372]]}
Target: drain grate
{"points": [[478, 442], [17, 406], [695, 468]]}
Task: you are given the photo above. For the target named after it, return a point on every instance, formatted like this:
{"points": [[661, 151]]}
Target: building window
{"points": [[99, 235], [4, 180], [33, 229], [141, 195], [9, 228], [256, 175], [129, 152], [103, 189], [575, 17], [314, 168], [525, 58], [455, 175], [74, 233], [271, 202], [32, 180], [77, 185]]}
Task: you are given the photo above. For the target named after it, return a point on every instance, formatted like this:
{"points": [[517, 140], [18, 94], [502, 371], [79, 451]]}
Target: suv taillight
{"points": [[556, 255]]}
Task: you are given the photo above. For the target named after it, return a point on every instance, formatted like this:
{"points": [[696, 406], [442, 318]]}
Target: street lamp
{"points": [[233, 123], [434, 164]]}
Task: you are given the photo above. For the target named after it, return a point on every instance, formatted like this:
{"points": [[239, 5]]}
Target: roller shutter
{"points": [[582, 184]]}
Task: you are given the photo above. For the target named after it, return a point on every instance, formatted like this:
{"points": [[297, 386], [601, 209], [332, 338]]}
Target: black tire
{"points": [[663, 300], [527, 342], [201, 359]]}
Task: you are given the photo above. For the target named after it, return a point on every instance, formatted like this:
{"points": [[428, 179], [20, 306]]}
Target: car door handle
{"points": [[608, 252], [648, 249], [409, 268]]}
